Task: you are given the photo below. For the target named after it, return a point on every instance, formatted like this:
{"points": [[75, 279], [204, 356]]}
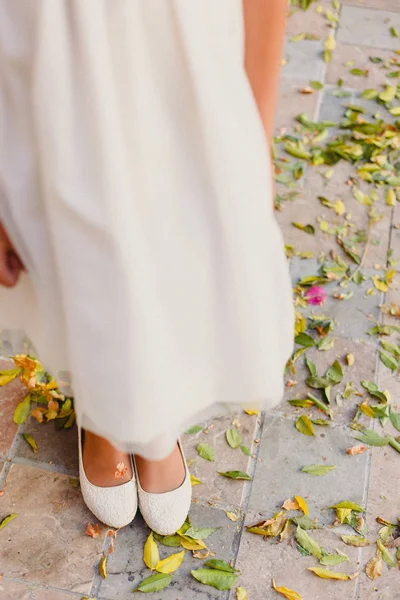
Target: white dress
{"points": [[135, 183]]}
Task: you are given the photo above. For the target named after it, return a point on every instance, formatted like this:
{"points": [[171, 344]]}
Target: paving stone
{"points": [[46, 543], [333, 107], [10, 395], [385, 588], [125, 567], [292, 103], [360, 55], [310, 21], [363, 368], [15, 591], [378, 4], [59, 448], [261, 560], [280, 478], [304, 61], [42, 594], [368, 27], [216, 488]]}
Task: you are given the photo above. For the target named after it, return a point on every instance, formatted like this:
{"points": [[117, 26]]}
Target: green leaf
{"points": [[7, 520], [220, 580], [327, 343], [306, 542], [316, 85], [333, 559], [201, 533], [356, 540], [221, 565], [31, 441], [194, 429], [310, 229], [370, 437], [394, 32], [304, 425], [318, 470], [22, 411], [311, 367], [246, 450], [303, 339], [335, 373], [318, 383], [373, 389], [389, 361], [233, 438], [394, 443], [321, 422], [206, 452], [348, 504], [387, 556], [154, 583], [395, 419], [235, 475], [305, 522], [171, 541], [369, 94]]}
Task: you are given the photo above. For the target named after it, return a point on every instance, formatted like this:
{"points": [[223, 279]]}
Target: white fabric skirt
{"points": [[135, 183]]}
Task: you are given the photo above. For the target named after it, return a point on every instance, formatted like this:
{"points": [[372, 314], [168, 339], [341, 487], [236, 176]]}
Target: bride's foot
{"points": [[104, 465], [158, 477]]}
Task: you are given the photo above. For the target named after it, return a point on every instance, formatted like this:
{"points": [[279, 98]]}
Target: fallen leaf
{"points": [[241, 593], [151, 556], [200, 533], [220, 580], [193, 430], [304, 426], [349, 505], [329, 560], [232, 516], [92, 530], [8, 376], [235, 475], [103, 567], [206, 452], [326, 574], [303, 504], [387, 556], [307, 542], [171, 563], [22, 410], [154, 583], [194, 481], [318, 470], [286, 592], [121, 470], [290, 504], [216, 563], [31, 441], [356, 450], [350, 359], [374, 566], [356, 540], [233, 438], [7, 520]]}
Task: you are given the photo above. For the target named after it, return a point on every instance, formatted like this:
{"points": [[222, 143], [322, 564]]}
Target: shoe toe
{"points": [[166, 513], [114, 506]]}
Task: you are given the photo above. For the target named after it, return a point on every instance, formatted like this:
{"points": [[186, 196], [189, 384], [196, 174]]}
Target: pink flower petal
{"points": [[315, 295]]}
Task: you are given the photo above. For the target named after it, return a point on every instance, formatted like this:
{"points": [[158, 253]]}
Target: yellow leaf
{"points": [[232, 516], [241, 594], [326, 574], [367, 410], [289, 594], [350, 359], [194, 481], [390, 273], [374, 566], [391, 197], [339, 207], [330, 42], [8, 376], [189, 544], [103, 567], [250, 411], [22, 410], [324, 226], [379, 284], [151, 555], [31, 441], [303, 504], [171, 563]]}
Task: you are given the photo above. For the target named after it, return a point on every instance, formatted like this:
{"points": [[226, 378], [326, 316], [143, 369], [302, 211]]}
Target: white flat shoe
{"points": [[166, 513], [115, 506]]}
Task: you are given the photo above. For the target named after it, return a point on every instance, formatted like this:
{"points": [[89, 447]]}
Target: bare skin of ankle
{"points": [[100, 460], [158, 477]]}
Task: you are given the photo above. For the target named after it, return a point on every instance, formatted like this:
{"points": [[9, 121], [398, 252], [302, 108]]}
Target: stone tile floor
{"points": [[44, 553]]}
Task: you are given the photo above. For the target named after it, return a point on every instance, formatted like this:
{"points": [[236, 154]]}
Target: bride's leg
{"points": [[157, 477], [100, 460]]}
